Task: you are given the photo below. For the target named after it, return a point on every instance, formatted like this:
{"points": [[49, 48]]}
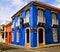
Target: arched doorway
{"points": [[41, 36], [27, 37]]}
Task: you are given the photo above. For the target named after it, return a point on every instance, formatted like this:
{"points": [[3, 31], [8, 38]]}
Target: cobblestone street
{"points": [[47, 49]]}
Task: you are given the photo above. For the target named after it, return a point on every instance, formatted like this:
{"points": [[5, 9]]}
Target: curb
{"points": [[45, 46], [18, 46]]}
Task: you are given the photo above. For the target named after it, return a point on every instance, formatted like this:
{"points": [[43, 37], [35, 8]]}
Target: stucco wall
{"points": [[33, 23]]}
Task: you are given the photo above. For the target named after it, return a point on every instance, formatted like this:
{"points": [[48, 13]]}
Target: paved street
{"points": [[48, 49]]}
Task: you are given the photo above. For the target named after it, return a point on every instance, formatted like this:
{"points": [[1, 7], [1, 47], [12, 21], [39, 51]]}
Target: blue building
{"points": [[36, 24]]}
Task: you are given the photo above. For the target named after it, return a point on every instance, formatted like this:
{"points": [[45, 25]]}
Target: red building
{"points": [[8, 34]]}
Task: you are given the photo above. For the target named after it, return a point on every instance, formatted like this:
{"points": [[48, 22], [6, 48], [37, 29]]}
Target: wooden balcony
{"points": [[26, 21], [41, 21], [55, 24]]}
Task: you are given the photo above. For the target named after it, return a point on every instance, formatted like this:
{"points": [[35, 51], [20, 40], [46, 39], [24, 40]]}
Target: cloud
{"points": [[56, 3], [4, 14], [6, 11], [18, 3], [10, 7]]}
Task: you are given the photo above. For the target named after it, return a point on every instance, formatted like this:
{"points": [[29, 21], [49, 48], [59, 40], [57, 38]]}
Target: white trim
{"points": [[41, 8], [40, 18], [12, 26], [26, 19], [55, 37], [26, 37], [12, 36], [43, 36], [17, 36], [18, 22], [54, 20], [54, 11]]}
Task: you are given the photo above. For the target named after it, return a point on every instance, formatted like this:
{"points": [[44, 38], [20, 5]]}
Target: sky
{"points": [[10, 7]]}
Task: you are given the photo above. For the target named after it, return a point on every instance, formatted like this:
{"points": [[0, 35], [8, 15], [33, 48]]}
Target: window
{"points": [[12, 36], [18, 22], [40, 16], [26, 20], [9, 33], [54, 20], [55, 34], [17, 36]]}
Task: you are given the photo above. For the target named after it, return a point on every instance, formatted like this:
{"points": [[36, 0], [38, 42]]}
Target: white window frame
{"points": [[18, 22], [26, 20], [17, 36], [40, 16], [12, 36], [54, 20], [55, 37]]}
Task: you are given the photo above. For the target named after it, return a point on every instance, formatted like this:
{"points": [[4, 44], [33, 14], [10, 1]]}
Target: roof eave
{"points": [[38, 4]]}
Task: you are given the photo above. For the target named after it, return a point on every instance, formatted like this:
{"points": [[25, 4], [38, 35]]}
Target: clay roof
{"points": [[53, 8]]}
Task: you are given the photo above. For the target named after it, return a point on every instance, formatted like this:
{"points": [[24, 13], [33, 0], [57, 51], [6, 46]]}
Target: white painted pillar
{"points": [[44, 37]]}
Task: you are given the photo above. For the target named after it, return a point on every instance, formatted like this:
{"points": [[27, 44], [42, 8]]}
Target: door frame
{"points": [[26, 38], [43, 36]]}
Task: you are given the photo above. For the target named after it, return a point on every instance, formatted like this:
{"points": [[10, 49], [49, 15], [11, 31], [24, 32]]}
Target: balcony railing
{"points": [[55, 23], [41, 20], [55, 34], [26, 20]]}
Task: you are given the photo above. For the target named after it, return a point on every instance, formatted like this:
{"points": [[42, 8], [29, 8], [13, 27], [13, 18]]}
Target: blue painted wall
{"points": [[15, 20], [22, 30], [33, 23], [33, 11], [48, 28]]}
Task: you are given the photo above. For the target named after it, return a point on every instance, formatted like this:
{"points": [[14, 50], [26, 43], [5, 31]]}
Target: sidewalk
{"points": [[46, 46], [14, 48]]}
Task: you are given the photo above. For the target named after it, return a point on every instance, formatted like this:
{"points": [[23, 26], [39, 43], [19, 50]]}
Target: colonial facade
{"points": [[8, 32], [36, 24]]}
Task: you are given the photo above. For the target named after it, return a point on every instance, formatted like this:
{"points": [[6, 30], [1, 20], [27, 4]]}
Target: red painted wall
{"points": [[8, 31]]}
